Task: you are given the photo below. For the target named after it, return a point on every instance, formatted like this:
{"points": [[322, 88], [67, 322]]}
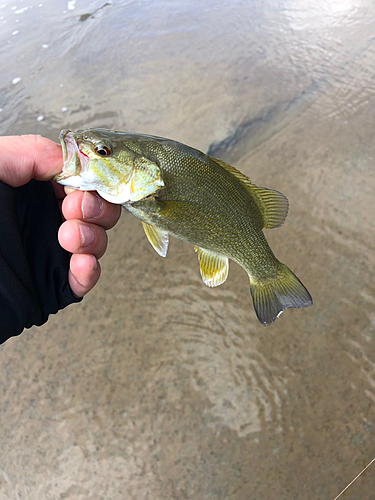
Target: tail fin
{"points": [[272, 297]]}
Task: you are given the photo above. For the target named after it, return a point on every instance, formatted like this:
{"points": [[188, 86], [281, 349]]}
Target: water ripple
{"points": [[216, 341]]}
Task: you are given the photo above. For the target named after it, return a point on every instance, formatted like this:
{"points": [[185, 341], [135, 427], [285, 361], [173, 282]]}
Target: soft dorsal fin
{"points": [[272, 204], [158, 239], [214, 268]]}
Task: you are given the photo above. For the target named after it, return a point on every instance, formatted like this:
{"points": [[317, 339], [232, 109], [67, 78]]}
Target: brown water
{"points": [[156, 387]]}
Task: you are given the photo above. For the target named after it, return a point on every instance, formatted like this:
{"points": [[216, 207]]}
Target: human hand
{"points": [[87, 216]]}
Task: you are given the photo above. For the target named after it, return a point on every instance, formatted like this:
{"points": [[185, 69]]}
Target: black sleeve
{"points": [[33, 266]]}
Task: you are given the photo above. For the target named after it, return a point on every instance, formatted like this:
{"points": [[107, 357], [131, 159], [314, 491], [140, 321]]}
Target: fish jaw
{"points": [[75, 164]]}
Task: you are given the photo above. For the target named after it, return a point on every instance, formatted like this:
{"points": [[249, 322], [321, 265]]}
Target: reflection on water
{"points": [[156, 386]]}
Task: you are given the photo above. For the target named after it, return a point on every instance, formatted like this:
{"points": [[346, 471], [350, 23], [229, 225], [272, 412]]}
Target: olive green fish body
{"points": [[204, 204], [179, 191], [226, 221]]}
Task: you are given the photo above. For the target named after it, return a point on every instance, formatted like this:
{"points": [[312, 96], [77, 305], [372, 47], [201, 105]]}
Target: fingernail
{"points": [[87, 236], [92, 206]]}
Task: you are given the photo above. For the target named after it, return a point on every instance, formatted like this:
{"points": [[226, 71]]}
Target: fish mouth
{"points": [[75, 163], [70, 150]]}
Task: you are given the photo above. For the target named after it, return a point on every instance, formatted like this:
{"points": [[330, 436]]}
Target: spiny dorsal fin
{"points": [[272, 204], [214, 268], [242, 177], [158, 239]]}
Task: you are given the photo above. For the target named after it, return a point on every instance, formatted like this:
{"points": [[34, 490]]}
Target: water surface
{"points": [[157, 387]]}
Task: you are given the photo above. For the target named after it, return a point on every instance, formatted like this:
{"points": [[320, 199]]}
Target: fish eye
{"points": [[103, 150]]}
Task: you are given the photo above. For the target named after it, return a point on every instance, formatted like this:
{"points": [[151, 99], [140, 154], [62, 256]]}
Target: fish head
{"points": [[100, 160]]}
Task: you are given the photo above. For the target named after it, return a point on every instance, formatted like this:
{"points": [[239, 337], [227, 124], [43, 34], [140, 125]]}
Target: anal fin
{"points": [[158, 239], [214, 268]]}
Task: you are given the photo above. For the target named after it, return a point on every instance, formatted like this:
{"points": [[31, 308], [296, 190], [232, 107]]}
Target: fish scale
{"points": [[227, 214], [176, 190]]}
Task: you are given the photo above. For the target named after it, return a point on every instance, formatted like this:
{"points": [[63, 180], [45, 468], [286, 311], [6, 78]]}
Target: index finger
{"points": [[27, 157]]}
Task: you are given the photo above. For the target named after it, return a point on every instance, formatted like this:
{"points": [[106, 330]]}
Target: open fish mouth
{"points": [[75, 163], [70, 150]]}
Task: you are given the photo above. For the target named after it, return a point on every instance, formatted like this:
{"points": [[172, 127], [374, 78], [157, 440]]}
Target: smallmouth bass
{"points": [[179, 191]]}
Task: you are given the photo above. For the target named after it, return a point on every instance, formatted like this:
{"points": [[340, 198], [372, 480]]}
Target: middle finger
{"points": [[77, 236]]}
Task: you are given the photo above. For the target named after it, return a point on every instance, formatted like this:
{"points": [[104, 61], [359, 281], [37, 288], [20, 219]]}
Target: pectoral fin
{"points": [[214, 268], [158, 239]]}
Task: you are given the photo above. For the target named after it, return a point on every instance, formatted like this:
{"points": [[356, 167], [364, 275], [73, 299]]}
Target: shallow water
{"points": [[157, 387]]}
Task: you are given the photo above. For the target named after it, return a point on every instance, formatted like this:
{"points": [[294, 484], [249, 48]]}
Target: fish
{"points": [[176, 190]]}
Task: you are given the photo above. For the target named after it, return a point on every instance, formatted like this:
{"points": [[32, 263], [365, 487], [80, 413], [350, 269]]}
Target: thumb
{"points": [[27, 157]]}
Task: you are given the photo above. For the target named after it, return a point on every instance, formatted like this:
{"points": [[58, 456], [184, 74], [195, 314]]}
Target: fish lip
{"points": [[75, 161], [67, 154], [67, 141], [62, 136], [69, 146]]}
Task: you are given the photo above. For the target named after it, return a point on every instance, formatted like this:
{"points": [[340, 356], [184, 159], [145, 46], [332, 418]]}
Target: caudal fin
{"points": [[272, 297]]}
